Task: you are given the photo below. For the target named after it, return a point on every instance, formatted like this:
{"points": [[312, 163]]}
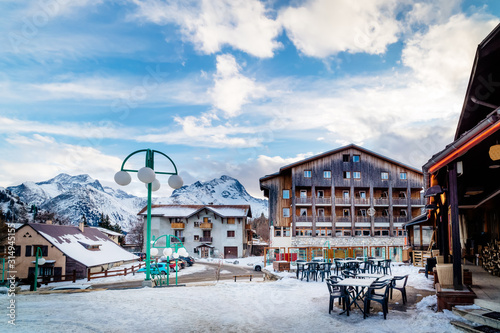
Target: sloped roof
{"points": [[335, 151], [69, 240], [185, 211]]}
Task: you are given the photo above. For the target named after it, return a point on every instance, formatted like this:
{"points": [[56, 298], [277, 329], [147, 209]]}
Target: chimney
{"points": [[81, 226], [48, 222]]}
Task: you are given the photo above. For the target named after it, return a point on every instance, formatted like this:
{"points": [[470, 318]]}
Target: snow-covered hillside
{"points": [[73, 196]]}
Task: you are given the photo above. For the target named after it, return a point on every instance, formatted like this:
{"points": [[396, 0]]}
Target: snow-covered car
{"points": [[258, 266]]}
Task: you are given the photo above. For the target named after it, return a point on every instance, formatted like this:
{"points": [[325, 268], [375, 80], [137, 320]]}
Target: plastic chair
{"points": [[385, 267], [325, 270], [336, 292], [339, 266], [401, 286], [348, 274], [382, 298], [312, 271]]}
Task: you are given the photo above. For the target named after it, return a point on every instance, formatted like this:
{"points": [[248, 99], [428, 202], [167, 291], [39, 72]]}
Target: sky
{"points": [[228, 87]]}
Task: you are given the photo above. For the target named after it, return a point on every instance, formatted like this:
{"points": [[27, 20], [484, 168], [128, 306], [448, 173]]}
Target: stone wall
{"points": [[347, 241]]}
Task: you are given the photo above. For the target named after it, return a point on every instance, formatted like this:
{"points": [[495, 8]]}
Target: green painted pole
{"points": [[148, 237], [36, 268]]}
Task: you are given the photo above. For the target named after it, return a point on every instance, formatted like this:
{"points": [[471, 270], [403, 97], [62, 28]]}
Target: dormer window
{"points": [[91, 246]]}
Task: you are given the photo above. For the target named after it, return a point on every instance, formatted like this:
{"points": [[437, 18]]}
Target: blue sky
{"points": [[235, 87]]}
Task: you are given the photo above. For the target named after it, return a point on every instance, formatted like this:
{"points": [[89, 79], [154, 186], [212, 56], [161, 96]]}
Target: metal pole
{"points": [[148, 236], [36, 268]]}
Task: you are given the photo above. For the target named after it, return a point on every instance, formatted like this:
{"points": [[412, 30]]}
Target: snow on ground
{"points": [[287, 305]]}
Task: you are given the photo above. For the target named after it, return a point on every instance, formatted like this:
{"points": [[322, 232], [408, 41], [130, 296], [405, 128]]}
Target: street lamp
{"points": [[173, 248], [147, 175], [38, 261]]}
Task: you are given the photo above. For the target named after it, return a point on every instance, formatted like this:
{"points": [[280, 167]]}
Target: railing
{"points": [[344, 219], [303, 200], [326, 218], [416, 202], [177, 239], [399, 201], [323, 201], [361, 201], [382, 219], [363, 219], [177, 225], [300, 218], [381, 202], [342, 201], [58, 278], [206, 225], [120, 272], [206, 239], [248, 226], [401, 219]]}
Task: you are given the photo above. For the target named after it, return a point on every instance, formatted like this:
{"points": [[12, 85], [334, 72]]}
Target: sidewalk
{"points": [[486, 287]]}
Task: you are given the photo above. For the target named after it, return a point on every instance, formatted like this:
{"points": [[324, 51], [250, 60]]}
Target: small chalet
{"points": [[66, 248]]}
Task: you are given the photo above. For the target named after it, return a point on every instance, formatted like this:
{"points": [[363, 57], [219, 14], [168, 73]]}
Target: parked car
{"points": [[258, 266], [181, 263], [159, 268], [141, 255], [188, 260]]}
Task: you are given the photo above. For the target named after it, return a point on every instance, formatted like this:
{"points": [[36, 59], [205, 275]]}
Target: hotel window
{"points": [[303, 232], [196, 224], [196, 237], [402, 194], [286, 212], [403, 212], [307, 173], [362, 232], [356, 175], [327, 174], [323, 232], [303, 212], [345, 158], [362, 212], [207, 220], [362, 194], [402, 175], [231, 220], [346, 212], [385, 212], [277, 232], [286, 194], [347, 174], [286, 231], [320, 193], [384, 175], [355, 158], [321, 212], [345, 194], [303, 193], [28, 251], [230, 233]]}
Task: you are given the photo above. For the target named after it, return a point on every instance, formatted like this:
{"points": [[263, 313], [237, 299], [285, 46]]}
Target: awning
{"points": [[205, 245], [417, 220]]}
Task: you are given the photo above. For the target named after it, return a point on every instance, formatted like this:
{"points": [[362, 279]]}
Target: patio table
{"points": [[358, 287]]}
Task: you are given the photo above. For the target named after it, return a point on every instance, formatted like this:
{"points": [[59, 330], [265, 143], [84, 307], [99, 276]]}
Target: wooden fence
{"points": [[57, 278], [106, 273]]}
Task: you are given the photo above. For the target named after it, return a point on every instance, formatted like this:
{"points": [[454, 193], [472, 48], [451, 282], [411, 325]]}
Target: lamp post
{"points": [[39, 260], [171, 248], [147, 175]]}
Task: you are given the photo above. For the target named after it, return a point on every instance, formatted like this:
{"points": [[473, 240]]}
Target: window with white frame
{"points": [[402, 175], [327, 174], [356, 175], [303, 193], [320, 193], [307, 173], [286, 194], [356, 158], [286, 212], [347, 174], [384, 175]]}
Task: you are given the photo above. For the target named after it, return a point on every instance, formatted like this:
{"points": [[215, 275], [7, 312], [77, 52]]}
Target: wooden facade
{"points": [[345, 192]]}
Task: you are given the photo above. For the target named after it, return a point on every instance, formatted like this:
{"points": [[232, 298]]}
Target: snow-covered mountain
{"points": [[71, 197], [223, 191]]}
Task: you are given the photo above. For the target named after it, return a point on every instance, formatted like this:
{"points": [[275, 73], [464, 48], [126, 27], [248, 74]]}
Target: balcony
{"points": [[177, 225], [248, 226], [382, 219], [206, 239], [303, 201], [381, 202], [343, 201], [303, 218], [362, 201], [344, 219], [206, 225], [323, 201], [416, 202], [401, 219], [363, 219], [177, 240], [326, 218], [399, 201]]}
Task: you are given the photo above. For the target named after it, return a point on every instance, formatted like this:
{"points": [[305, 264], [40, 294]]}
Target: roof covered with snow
{"points": [[71, 241], [108, 232], [186, 211]]}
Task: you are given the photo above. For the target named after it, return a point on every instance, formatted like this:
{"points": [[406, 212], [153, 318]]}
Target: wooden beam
{"points": [[455, 228]]}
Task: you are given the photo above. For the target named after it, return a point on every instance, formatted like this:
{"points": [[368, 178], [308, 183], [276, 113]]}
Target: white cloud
{"points": [[320, 28], [232, 89], [212, 24], [432, 11], [443, 55], [40, 157]]}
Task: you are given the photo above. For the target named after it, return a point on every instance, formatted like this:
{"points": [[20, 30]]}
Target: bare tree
{"points": [[136, 234], [261, 227]]}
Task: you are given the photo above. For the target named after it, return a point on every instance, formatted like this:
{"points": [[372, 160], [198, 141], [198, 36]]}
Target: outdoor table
{"points": [[344, 261], [359, 286], [380, 277], [300, 268], [376, 262]]}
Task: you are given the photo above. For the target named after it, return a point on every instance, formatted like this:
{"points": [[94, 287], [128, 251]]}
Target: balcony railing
{"points": [[248, 226], [401, 219], [326, 218], [363, 219], [176, 240], [206, 225], [177, 225], [382, 219], [399, 201], [416, 202], [301, 218], [206, 239], [342, 201], [303, 201], [381, 202], [361, 201], [323, 201], [344, 219]]}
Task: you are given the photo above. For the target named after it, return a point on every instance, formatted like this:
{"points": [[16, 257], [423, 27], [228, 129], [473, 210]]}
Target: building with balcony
{"points": [[205, 230], [346, 197]]}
